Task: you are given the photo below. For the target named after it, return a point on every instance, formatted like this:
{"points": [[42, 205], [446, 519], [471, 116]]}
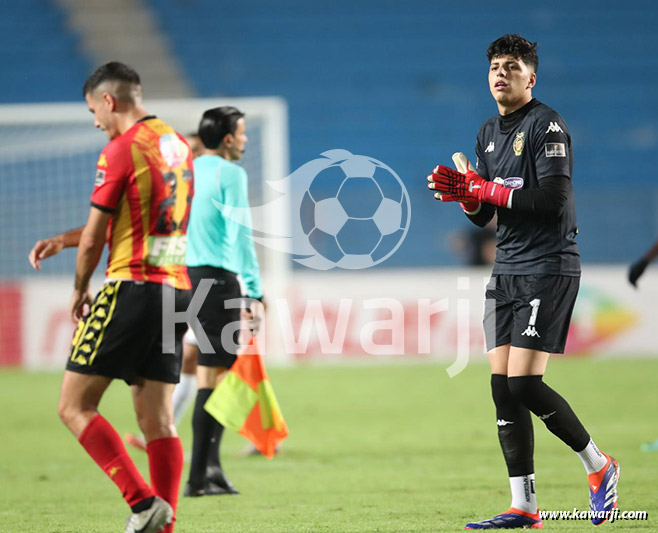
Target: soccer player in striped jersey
{"points": [[140, 206], [185, 390]]}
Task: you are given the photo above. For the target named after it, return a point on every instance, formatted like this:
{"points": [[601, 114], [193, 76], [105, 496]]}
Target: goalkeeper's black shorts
{"points": [[122, 337], [529, 311]]}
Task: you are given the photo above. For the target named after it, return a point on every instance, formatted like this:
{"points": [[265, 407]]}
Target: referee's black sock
{"points": [[215, 443], [514, 428], [551, 408], [203, 428]]}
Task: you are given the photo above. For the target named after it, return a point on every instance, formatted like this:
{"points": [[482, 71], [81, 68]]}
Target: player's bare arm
{"points": [[90, 247], [48, 247]]}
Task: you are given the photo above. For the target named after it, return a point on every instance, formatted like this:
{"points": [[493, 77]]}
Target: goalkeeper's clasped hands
{"points": [[466, 186]]}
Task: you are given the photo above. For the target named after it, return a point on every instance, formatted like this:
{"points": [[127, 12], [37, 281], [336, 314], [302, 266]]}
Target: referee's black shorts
{"points": [[215, 316], [529, 311], [122, 336]]}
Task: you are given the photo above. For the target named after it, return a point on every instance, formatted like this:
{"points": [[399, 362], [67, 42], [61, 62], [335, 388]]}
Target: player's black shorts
{"points": [[215, 317], [531, 311], [122, 337]]}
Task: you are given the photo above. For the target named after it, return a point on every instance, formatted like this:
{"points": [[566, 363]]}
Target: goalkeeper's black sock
{"points": [[215, 443], [203, 428], [514, 428], [551, 409]]}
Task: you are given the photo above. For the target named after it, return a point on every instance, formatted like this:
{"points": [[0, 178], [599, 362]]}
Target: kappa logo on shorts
{"points": [[530, 331]]}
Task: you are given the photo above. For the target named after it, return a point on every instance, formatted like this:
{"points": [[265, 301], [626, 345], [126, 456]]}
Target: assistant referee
{"points": [[219, 247]]}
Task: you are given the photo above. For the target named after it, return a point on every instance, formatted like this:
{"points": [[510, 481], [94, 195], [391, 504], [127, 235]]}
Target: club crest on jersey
{"points": [[513, 183], [519, 143]]}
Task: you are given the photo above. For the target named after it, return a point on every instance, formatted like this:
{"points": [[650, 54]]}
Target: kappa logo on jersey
{"points": [[530, 331], [102, 161], [519, 143], [555, 150], [490, 148], [513, 183], [554, 127], [500, 422]]}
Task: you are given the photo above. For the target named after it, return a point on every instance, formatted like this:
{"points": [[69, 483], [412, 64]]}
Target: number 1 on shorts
{"points": [[535, 309]]}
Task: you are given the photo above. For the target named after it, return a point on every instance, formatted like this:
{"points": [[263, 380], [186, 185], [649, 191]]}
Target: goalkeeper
{"points": [[524, 174]]}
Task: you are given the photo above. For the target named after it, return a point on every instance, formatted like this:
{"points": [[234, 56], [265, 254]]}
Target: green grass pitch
{"points": [[396, 448]]}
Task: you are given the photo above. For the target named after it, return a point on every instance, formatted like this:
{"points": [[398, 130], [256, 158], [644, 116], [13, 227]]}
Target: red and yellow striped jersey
{"points": [[145, 179]]}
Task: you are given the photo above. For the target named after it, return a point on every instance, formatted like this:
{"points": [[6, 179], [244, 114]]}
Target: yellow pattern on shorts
{"points": [[90, 331]]}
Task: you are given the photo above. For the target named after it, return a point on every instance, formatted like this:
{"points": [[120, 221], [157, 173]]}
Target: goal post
{"points": [[48, 155]]}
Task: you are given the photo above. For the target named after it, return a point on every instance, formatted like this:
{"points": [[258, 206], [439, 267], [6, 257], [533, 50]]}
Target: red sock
{"points": [[166, 466], [105, 446]]}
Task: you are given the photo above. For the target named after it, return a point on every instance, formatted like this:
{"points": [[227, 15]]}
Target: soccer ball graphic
{"points": [[355, 212]]}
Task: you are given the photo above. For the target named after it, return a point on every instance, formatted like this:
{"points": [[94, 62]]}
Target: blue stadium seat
{"points": [[405, 83], [41, 53]]}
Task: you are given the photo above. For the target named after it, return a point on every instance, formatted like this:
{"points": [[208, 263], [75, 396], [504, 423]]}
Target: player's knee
{"points": [[525, 388], [156, 426], [67, 413], [500, 391]]}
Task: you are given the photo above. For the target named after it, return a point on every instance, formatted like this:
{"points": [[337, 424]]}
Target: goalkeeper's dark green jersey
{"points": [[518, 150]]}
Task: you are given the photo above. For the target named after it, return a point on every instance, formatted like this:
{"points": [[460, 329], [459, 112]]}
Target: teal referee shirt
{"points": [[219, 235]]}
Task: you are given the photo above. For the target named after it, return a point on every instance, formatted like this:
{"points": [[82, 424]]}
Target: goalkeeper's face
{"points": [[101, 106], [511, 82]]}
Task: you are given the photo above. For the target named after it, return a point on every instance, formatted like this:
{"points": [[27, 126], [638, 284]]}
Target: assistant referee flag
{"points": [[244, 401]]}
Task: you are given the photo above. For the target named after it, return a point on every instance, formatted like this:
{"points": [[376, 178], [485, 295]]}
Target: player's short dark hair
{"points": [[217, 123], [113, 71], [516, 46]]}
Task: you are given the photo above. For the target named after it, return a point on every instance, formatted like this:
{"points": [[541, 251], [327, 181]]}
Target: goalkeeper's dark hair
{"points": [[217, 123], [516, 46], [114, 71]]}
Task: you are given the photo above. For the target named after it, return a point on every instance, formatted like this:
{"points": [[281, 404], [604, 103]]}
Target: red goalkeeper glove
{"points": [[464, 165], [466, 187]]}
